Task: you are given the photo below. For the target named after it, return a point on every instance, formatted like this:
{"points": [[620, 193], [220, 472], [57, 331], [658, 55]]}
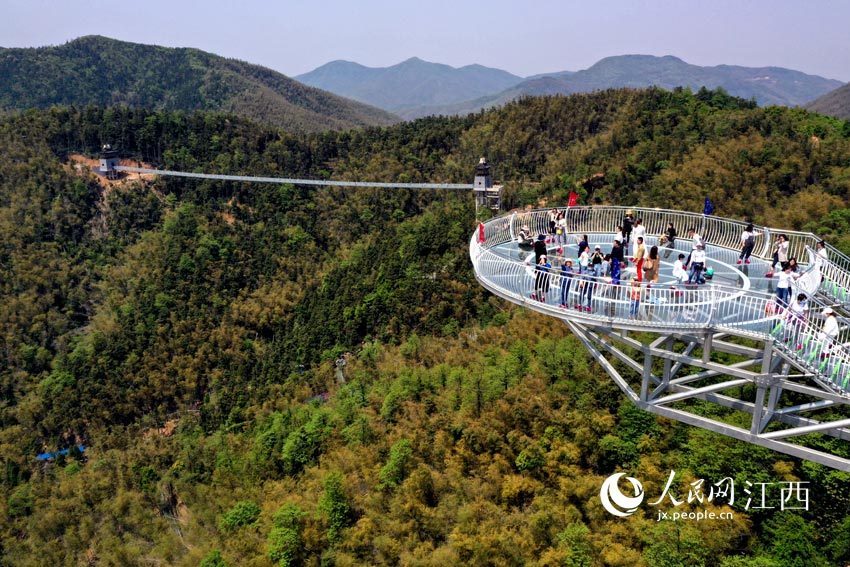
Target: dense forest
{"points": [[104, 71], [186, 334]]}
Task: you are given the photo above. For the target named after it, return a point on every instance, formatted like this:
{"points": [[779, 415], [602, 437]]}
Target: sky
{"points": [[523, 37]]}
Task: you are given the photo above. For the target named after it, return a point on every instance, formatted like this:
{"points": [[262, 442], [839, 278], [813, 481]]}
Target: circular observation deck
{"points": [[738, 300]]}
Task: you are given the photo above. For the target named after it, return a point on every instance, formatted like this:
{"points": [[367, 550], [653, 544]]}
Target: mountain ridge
{"points": [[100, 70], [767, 85], [410, 83]]}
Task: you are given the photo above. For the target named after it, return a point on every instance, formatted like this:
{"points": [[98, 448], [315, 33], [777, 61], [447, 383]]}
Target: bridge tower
{"points": [[108, 161], [487, 195]]}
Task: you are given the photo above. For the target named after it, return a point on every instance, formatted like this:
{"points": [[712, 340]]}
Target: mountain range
{"points": [[834, 103], [95, 70], [416, 88], [410, 84], [103, 71]]}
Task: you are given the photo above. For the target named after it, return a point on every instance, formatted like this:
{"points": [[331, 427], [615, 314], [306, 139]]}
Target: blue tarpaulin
{"points": [[62, 452]]}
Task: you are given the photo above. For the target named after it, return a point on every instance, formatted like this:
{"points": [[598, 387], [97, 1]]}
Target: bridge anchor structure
{"points": [[724, 355]]}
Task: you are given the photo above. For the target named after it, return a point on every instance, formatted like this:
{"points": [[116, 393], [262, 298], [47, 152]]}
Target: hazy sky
{"points": [[522, 37]]}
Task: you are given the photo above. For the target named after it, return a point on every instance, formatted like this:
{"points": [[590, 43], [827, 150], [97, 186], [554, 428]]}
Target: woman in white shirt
{"points": [[796, 318], [561, 228], [679, 271], [748, 242], [829, 333], [584, 260], [639, 231], [697, 264], [780, 253], [783, 286]]}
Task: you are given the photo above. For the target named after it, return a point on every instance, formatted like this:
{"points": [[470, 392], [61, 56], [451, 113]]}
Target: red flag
{"points": [[573, 199], [481, 232]]}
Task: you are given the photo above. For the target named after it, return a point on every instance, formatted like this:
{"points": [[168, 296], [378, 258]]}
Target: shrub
{"points": [[243, 513]]}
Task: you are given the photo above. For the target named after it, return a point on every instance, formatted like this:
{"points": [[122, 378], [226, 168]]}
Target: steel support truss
{"points": [[780, 410]]}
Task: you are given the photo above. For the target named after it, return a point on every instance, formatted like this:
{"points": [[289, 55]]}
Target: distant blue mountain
{"points": [[416, 88], [767, 85], [411, 83]]}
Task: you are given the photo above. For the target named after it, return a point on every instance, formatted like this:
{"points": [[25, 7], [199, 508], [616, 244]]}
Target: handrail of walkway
{"points": [[661, 309], [836, 282]]}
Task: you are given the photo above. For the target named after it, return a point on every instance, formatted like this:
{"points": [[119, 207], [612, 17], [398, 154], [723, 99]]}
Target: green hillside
{"points": [[185, 332], [834, 103], [103, 71]]}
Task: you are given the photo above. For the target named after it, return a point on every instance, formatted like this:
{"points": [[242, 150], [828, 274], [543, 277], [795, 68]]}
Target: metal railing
{"points": [[836, 281], [714, 230], [658, 308]]}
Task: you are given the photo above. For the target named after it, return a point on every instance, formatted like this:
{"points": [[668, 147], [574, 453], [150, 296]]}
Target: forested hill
{"points": [[835, 103], [185, 333], [103, 71]]}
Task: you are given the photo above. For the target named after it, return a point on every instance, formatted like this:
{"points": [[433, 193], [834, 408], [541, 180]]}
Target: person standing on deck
{"points": [[650, 267], [639, 231], [583, 244], [584, 261], [561, 228], [795, 319], [539, 248], [628, 223], [780, 254], [541, 279], [829, 332], [596, 260], [634, 298], [821, 259], [638, 258], [783, 286], [748, 243], [586, 290], [553, 222], [697, 241], [670, 236], [616, 262], [566, 280], [697, 264]]}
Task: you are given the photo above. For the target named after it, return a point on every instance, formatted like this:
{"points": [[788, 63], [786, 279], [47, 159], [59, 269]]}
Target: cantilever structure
{"points": [[726, 342]]}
